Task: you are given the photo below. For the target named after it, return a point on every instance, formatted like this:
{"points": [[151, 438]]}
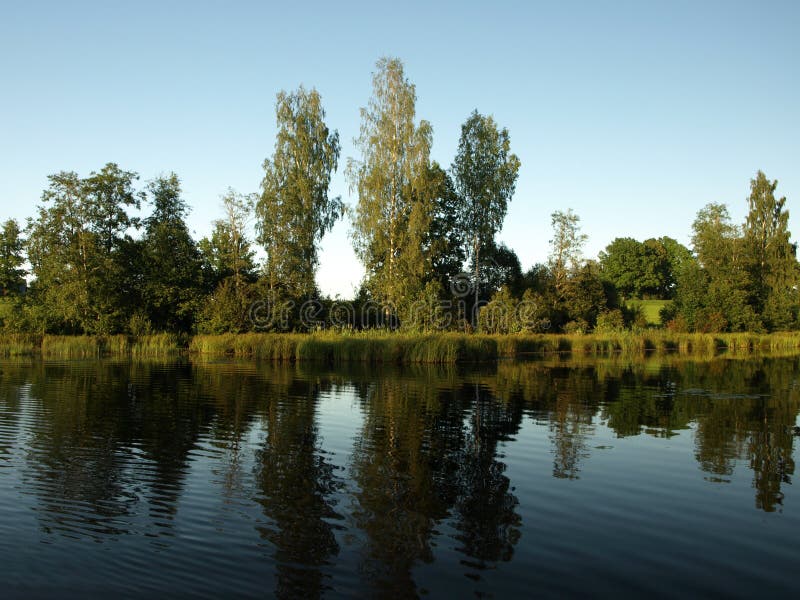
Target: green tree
{"points": [[641, 269], [108, 195], [172, 281], [677, 255], [584, 296], [228, 252], [770, 255], [688, 308], [624, 263], [79, 251], [230, 268], [393, 214], [717, 243], [485, 174], [713, 293], [295, 211], [566, 246], [444, 242], [501, 268], [12, 275]]}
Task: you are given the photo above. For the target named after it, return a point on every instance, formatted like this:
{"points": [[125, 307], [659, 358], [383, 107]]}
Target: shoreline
{"points": [[401, 348]]}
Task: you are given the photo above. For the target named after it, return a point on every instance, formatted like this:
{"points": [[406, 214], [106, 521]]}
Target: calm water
{"points": [[237, 478]]}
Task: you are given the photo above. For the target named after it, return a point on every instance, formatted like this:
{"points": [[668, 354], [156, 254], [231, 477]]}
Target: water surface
{"points": [[203, 479]]}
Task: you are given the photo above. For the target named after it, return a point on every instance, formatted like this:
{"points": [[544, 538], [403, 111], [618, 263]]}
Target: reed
{"points": [[88, 346], [19, 344], [72, 346], [156, 345], [381, 347]]}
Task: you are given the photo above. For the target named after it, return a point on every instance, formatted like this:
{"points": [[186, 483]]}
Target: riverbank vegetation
{"points": [[87, 265], [404, 348]]}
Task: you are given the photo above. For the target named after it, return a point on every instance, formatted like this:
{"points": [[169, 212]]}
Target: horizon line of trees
{"points": [[417, 229]]}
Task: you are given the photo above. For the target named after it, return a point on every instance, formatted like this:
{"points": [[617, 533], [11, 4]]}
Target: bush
{"points": [[610, 321], [578, 326]]}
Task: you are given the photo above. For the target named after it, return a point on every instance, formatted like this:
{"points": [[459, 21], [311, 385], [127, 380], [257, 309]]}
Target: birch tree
{"points": [[390, 180], [295, 210]]}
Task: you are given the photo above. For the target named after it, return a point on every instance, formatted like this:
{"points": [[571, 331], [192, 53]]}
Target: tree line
{"points": [[419, 229]]}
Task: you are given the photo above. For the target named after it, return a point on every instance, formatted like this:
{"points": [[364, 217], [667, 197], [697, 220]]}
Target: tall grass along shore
{"points": [[86, 346], [453, 347], [400, 348]]}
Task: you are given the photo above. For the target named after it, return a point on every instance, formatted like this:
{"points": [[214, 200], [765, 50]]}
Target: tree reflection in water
{"points": [[104, 449]]}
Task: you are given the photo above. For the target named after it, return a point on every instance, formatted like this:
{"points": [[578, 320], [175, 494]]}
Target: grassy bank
{"points": [[400, 348], [447, 348], [85, 346], [366, 348]]}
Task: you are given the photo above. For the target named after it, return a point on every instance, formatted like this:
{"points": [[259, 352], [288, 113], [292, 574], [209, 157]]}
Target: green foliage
{"points": [[79, 252], [227, 309], [295, 211], [425, 312], [228, 252], [500, 314], [745, 279], [12, 275], [172, 286], [444, 243], [770, 256], [484, 175], [643, 269], [584, 296], [391, 178], [610, 321], [501, 268], [566, 246]]}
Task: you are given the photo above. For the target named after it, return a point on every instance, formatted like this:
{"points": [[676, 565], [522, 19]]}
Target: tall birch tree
{"points": [[391, 179], [295, 210]]}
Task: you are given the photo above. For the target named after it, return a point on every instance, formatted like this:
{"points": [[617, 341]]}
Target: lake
{"points": [[194, 478]]}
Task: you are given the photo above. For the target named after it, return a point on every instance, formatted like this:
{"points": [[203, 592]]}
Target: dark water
{"points": [[252, 480]]}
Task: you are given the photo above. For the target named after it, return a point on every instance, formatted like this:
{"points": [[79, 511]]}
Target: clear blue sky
{"points": [[634, 114]]}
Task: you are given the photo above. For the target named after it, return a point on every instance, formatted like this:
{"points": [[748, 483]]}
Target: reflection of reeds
{"points": [[404, 348]]}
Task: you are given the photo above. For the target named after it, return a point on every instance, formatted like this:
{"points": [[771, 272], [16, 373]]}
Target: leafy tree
{"points": [[624, 263], [677, 255], [641, 269], [501, 268], [172, 282], [226, 309], [538, 278], [713, 293], [717, 243], [228, 252], [500, 314], [12, 275], [78, 249], [485, 174], [566, 246], [392, 216], [444, 247], [584, 296], [770, 256], [108, 195], [230, 268], [295, 211], [687, 309]]}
